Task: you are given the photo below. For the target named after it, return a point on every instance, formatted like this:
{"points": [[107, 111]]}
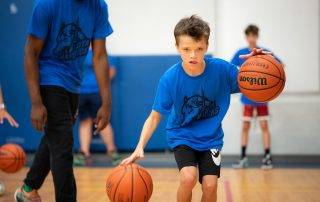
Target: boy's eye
{"points": [[200, 49], [186, 49]]}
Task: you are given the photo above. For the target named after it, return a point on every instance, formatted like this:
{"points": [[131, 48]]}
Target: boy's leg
{"points": [[209, 188], [187, 163], [85, 135], [107, 137], [263, 115], [247, 116], [61, 107], [188, 179], [209, 172]]}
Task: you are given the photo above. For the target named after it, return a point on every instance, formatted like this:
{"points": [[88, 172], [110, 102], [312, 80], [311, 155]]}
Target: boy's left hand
{"points": [[255, 51], [5, 115]]}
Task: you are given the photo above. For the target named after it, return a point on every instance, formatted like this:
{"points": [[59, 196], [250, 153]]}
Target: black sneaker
{"points": [[267, 162]]}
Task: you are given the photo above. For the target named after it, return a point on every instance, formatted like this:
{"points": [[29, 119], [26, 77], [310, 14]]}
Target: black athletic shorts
{"points": [[89, 105], [208, 161]]}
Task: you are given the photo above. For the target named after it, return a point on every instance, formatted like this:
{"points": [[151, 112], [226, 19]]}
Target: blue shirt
{"points": [[89, 82], [67, 27], [197, 105], [239, 61]]}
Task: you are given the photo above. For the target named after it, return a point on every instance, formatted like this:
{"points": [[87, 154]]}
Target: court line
{"points": [[228, 191]]}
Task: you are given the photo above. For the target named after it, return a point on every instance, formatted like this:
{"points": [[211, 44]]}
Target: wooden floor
{"points": [[234, 185]]}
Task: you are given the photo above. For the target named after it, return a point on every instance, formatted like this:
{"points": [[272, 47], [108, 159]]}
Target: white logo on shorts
{"points": [[216, 157]]}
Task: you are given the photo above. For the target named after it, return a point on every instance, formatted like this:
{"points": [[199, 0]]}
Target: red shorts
{"points": [[261, 111]]}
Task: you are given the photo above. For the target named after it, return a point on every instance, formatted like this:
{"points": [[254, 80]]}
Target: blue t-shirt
{"points": [[239, 61], [197, 105], [67, 28], [89, 82]]}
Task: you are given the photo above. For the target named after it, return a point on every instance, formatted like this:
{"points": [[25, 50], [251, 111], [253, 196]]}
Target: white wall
{"points": [[146, 26], [290, 28]]}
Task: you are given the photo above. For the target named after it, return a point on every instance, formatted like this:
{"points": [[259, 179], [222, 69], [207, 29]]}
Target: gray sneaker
{"points": [[267, 163], [242, 163], [20, 196]]}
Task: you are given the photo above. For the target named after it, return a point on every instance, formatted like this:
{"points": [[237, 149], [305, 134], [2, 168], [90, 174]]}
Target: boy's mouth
{"points": [[193, 62]]}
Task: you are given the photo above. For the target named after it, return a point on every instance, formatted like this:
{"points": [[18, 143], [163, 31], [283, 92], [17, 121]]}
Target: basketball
{"points": [[261, 78], [129, 183], [12, 158]]}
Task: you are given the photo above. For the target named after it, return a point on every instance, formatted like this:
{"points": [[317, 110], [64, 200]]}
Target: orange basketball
{"points": [[12, 158], [129, 183], [261, 78]]}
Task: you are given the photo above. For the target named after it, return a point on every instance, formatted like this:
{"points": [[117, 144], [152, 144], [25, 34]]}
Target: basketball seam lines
{"points": [[115, 191], [12, 162], [274, 94], [261, 73], [145, 184]]}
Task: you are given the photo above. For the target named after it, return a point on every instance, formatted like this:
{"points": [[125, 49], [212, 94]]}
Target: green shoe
{"points": [[20, 196], [115, 158], [82, 160]]}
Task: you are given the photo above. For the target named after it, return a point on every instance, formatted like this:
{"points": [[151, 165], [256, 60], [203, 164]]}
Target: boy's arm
{"points": [[4, 114], [149, 127], [101, 68]]}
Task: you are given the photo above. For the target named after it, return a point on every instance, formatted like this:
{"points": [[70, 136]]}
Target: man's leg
{"points": [[61, 107]]}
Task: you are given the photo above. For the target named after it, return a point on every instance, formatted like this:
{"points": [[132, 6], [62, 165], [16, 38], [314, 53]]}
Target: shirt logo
{"points": [[71, 42], [199, 107]]}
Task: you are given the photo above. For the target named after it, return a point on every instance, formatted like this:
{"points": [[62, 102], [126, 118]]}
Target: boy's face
{"points": [[192, 52], [252, 40]]}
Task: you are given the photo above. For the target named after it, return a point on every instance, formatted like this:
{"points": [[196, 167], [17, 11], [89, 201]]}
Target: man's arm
{"points": [[101, 68], [31, 56], [149, 127]]}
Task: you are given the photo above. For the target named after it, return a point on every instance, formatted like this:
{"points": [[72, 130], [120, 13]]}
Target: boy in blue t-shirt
{"points": [[59, 36], [196, 95], [249, 107], [89, 103]]}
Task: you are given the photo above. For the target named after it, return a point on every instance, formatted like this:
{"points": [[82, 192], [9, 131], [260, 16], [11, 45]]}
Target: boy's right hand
{"points": [[137, 154]]}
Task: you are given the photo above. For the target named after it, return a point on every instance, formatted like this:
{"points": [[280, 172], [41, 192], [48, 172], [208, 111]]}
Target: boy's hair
{"points": [[252, 29], [192, 26]]}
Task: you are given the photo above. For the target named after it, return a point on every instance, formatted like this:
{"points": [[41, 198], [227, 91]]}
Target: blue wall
{"points": [[133, 88]]}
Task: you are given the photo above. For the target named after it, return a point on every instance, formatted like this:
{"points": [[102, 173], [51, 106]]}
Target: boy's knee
{"points": [[246, 125], [209, 186], [188, 179], [264, 125]]}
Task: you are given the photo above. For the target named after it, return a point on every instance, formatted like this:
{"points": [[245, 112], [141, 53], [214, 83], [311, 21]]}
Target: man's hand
{"points": [[103, 118], [38, 116], [137, 154], [254, 52], [5, 115]]}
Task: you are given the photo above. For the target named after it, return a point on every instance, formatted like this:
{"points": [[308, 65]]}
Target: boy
{"points": [[196, 94], [249, 107], [89, 102], [59, 36]]}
